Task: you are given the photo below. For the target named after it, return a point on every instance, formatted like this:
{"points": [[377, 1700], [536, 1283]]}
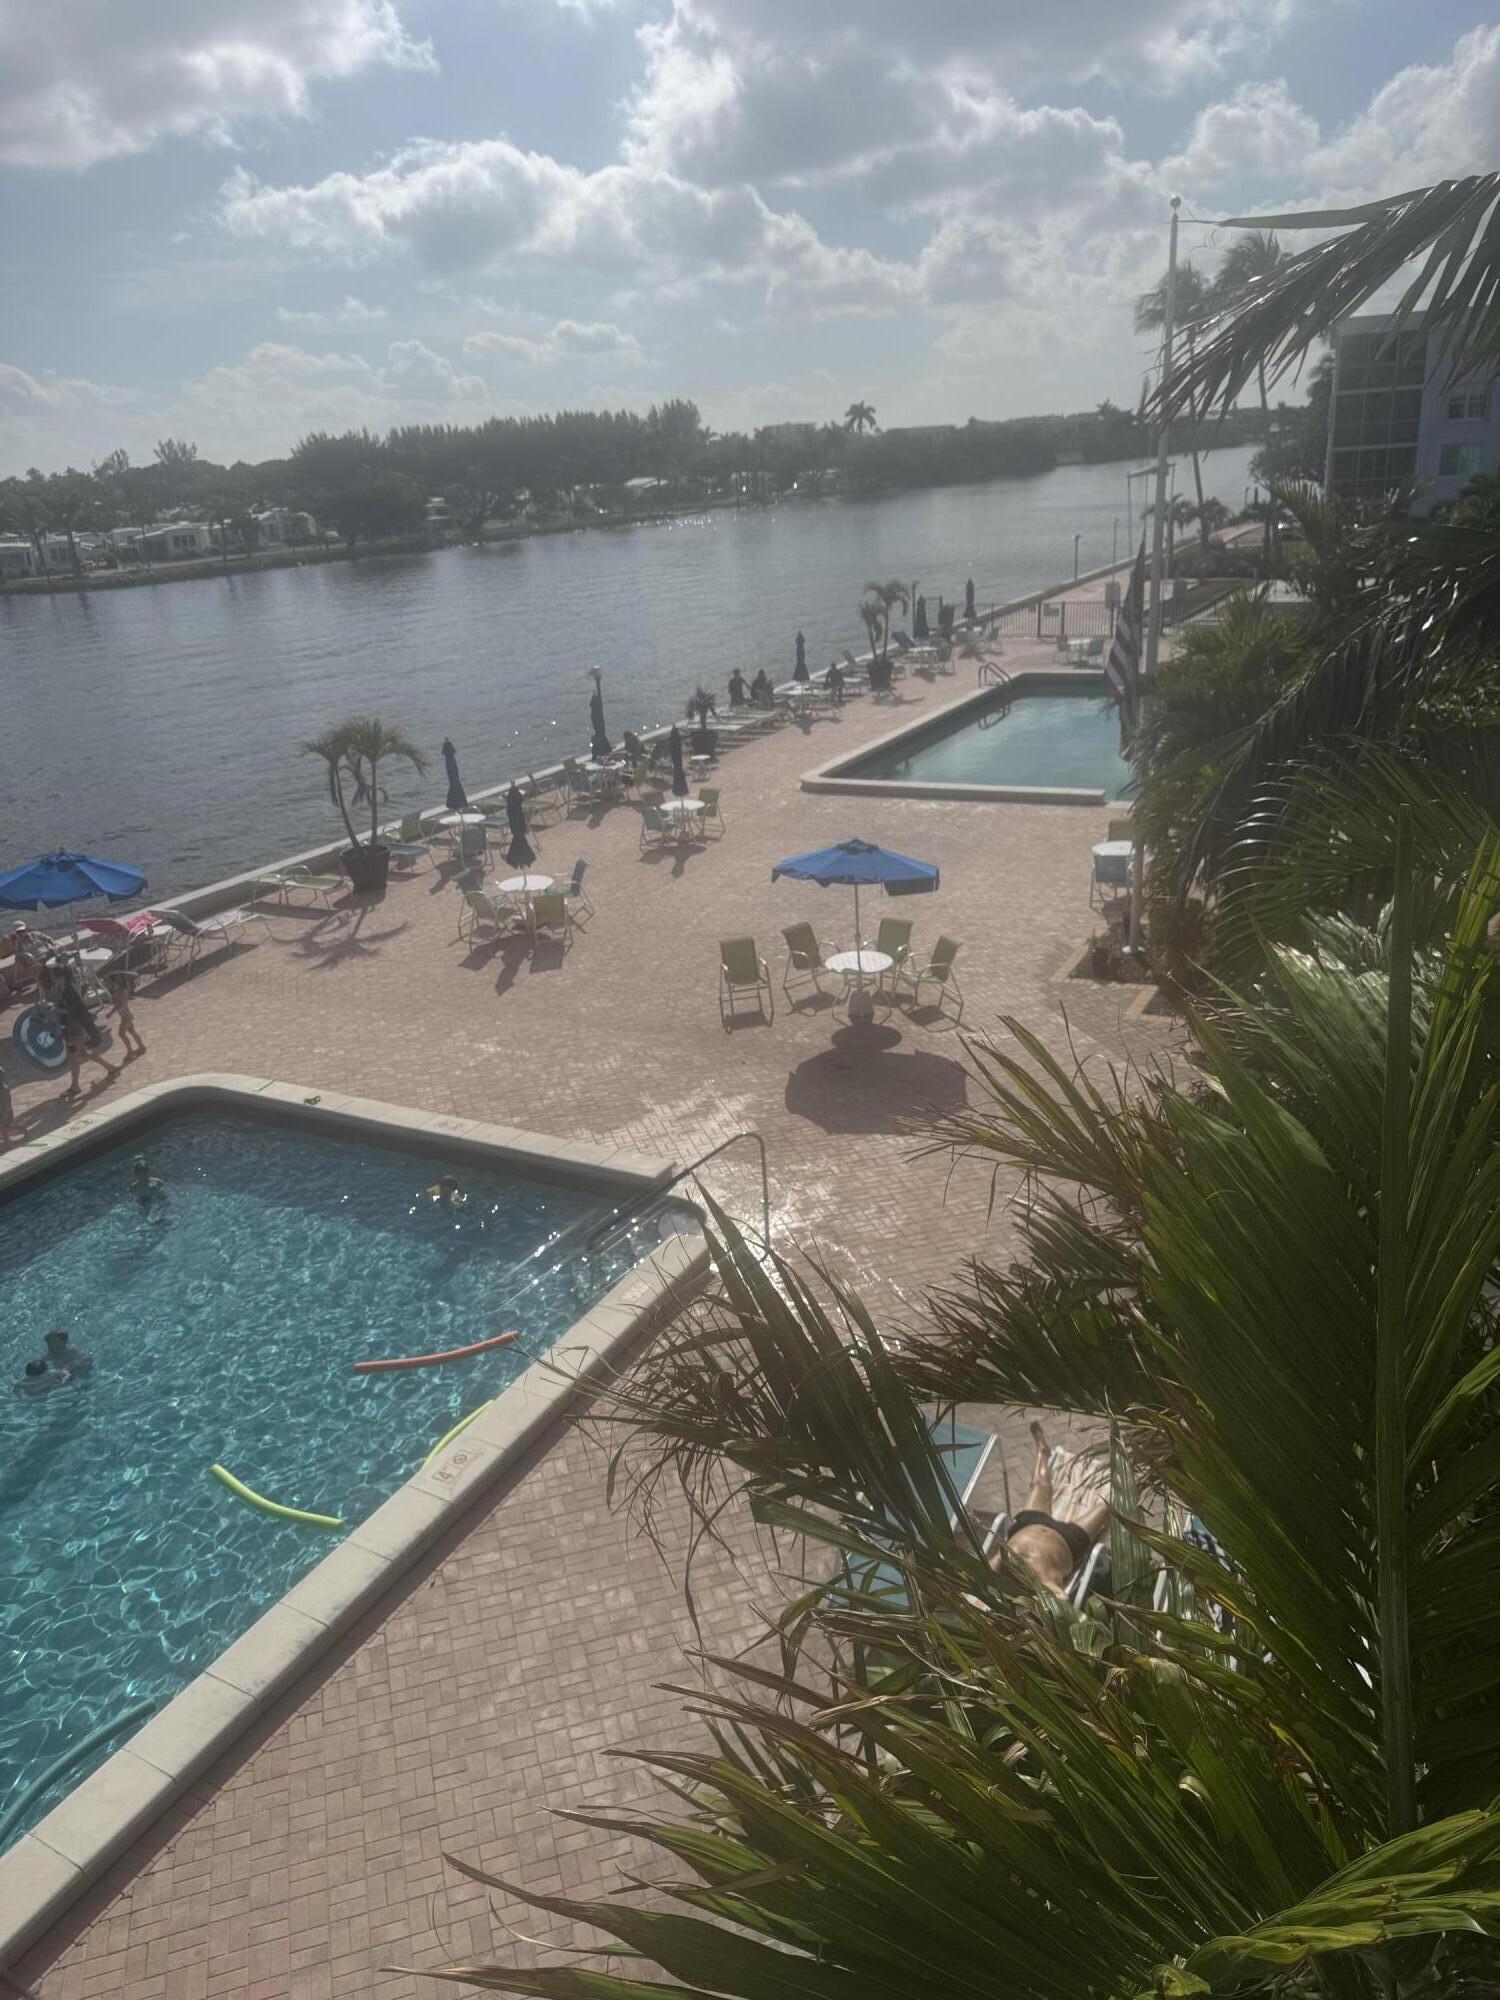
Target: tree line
{"points": [[568, 465]]}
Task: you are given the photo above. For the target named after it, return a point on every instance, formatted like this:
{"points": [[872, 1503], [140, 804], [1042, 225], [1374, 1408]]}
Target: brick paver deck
{"points": [[495, 1682]]}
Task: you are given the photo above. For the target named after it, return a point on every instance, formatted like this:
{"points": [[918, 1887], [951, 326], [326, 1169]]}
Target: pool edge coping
{"points": [[829, 777], [75, 1844]]}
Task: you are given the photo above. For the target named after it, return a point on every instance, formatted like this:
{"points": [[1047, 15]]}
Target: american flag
{"points": [[1122, 668]]}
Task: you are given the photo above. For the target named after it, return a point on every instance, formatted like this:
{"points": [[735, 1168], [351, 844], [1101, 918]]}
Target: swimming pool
{"points": [[223, 1323], [1069, 741]]}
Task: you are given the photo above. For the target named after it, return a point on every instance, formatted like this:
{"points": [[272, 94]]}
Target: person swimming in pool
{"points": [[144, 1185], [65, 1359], [37, 1379], [448, 1194]]}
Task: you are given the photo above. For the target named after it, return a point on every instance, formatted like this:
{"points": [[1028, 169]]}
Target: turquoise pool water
{"points": [[223, 1324], [1070, 740]]}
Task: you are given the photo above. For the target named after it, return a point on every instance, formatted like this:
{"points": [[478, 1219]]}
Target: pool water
{"points": [[222, 1324], [1066, 740]]}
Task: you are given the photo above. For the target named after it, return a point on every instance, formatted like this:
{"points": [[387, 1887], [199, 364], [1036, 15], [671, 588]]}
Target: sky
{"points": [[241, 224]]}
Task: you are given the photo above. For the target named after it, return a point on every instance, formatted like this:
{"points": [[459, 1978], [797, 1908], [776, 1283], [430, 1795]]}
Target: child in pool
{"points": [[144, 1185]]}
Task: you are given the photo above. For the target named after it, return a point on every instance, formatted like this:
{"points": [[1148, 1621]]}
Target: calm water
{"points": [[222, 1325], [1071, 740], [162, 725]]}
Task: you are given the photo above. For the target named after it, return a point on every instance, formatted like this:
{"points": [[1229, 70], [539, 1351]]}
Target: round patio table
{"points": [[859, 966], [462, 819], [524, 885], [682, 809], [1113, 850]]}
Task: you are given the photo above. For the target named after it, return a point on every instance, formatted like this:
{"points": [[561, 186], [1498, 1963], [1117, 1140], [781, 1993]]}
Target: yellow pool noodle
{"points": [[238, 1486], [448, 1436]]}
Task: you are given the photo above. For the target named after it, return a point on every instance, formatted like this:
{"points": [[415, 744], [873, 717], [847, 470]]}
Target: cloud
{"points": [[1255, 135], [1430, 122], [52, 420], [92, 83], [353, 312], [569, 339]]}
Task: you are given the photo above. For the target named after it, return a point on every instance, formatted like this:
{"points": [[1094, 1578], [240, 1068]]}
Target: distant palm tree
{"points": [[1250, 262], [860, 417], [1193, 303]]}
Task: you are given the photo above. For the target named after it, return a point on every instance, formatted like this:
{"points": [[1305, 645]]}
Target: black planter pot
{"points": [[368, 868], [704, 742]]}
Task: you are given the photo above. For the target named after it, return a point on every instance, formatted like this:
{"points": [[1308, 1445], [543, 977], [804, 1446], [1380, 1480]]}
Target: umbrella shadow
{"points": [[679, 854], [865, 1082], [510, 952]]}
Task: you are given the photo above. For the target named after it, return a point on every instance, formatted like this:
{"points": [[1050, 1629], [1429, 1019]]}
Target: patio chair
{"points": [[894, 939], [195, 935], [549, 913], [575, 781], [711, 819], [655, 831], [575, 892], [473, 844], [282, 884], [805, 959], [653, 795], [409, 849], [541, 802], [484, 914], [743, 970], [939, 968]]}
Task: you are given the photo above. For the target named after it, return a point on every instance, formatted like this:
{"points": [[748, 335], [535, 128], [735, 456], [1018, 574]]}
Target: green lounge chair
{"points": [[484, 914], [655, 832], [939, 968], [285, 881], [743, 970]]}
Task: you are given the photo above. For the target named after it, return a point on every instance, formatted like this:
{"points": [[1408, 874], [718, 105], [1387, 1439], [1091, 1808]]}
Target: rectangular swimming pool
{"points": [[222, 1318], [1013, 738]]}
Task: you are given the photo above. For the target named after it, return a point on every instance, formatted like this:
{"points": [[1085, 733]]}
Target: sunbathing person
{"points": [[1065, 1514]]}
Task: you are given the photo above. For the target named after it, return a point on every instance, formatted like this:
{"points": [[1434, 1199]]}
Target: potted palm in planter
{"points": [[701, 706], [353, 753]]}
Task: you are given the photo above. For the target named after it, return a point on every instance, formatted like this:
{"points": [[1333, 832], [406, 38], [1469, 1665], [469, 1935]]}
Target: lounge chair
{"points": [[195, 935], [939, 968], [575, 892], [285, 881], [549, 913], [894, 939], [805, 959], [711, 819], [743, 970]]}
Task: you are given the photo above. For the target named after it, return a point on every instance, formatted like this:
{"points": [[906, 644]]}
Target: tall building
{"points": [[1401, 413]]}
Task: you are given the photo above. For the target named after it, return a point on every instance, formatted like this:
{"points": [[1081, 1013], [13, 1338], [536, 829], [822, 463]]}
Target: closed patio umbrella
{"points": [[599, 744], [520, 853], [458, 798], [679, 776]]}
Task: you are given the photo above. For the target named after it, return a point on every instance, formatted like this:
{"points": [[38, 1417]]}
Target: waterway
{"points": [[163, 725]]}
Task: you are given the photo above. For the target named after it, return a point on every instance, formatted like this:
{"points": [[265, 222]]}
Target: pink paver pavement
{"points": [[496, 1680]]}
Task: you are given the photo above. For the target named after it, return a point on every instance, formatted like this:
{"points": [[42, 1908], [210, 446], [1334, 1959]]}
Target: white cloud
{"points": [[353, 312], [84, 83], [569, 339], [52, 420], [1430, 122], [1257, 135]]}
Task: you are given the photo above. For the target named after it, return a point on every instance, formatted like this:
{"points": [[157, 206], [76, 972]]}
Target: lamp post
{"points": [[1076, 540], [1114, 545], [1146, 472]]}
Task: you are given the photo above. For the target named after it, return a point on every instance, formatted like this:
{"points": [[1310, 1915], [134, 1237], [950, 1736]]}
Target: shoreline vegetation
{"points": [[432, 486]]}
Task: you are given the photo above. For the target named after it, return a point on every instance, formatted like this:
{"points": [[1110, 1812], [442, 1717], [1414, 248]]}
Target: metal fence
{"points": [[1061, 619]]}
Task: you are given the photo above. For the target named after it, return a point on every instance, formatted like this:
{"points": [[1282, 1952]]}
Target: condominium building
{"points": [[1401, 414]]}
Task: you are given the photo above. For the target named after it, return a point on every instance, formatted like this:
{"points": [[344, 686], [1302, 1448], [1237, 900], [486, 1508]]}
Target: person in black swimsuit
{"points": [[1065, 1514]]}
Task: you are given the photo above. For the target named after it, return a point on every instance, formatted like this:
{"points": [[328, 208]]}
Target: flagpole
{"points": [[1158, 544]]}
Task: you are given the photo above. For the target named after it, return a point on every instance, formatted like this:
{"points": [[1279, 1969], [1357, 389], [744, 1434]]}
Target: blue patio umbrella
{"points": [[458, 798], [52, 881], [856, 865]]}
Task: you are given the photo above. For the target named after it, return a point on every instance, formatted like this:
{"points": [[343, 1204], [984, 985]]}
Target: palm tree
{"points": [[859, 418], [1193, 303], [886, 597], [1270, 1773], [331, 747], [1250, 262], [355, 750]]}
